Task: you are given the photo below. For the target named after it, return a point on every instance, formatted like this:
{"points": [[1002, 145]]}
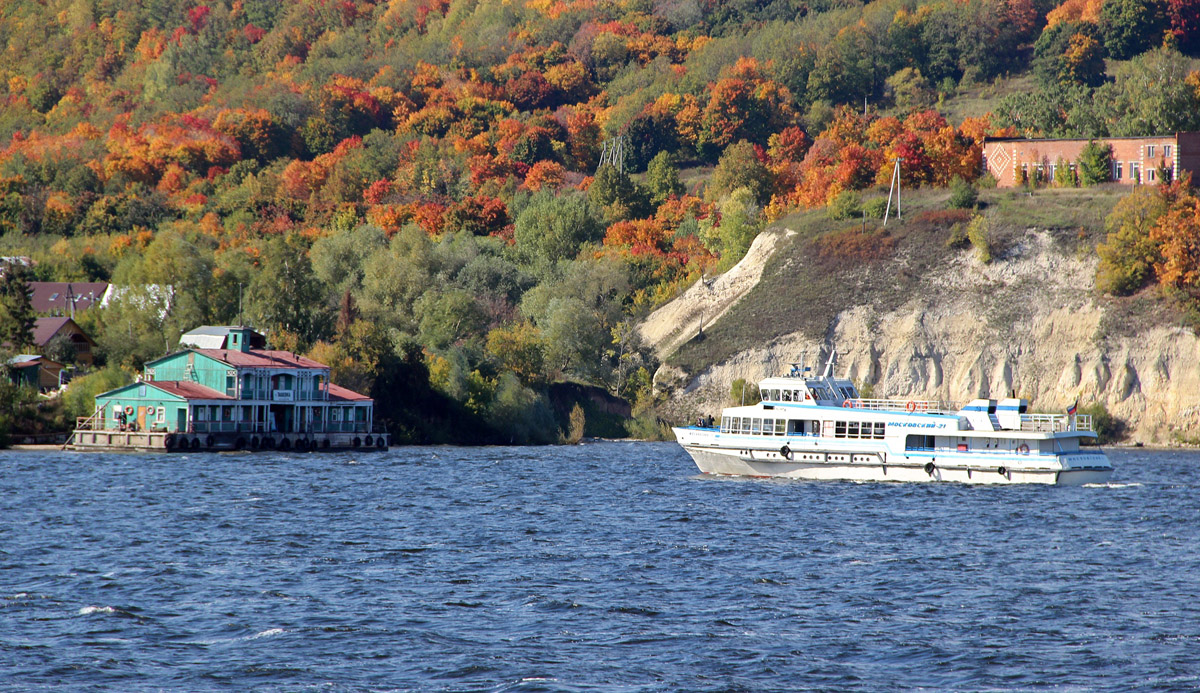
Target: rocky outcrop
{"points": [[708, 299], [1029, 323]]}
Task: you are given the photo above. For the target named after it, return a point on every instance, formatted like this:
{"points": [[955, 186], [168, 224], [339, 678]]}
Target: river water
{"points": [[600, 567]]}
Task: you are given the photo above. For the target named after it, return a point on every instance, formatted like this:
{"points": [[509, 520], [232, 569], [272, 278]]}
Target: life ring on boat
{"points": [[848, 404], [1023, 449], [128, 410], [910, 407], [929, 467], [785, 452], [1003, 471]]}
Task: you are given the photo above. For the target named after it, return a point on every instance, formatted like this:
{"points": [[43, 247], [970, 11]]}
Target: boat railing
{"points": [[1052, 423], [911, 406]]}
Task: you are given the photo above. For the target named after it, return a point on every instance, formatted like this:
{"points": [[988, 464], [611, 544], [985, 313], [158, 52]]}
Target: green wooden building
{"points": [[224, 390]]}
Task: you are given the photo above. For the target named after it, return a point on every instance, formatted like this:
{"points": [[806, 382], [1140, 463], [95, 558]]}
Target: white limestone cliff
{"points": [[1029, 322]]}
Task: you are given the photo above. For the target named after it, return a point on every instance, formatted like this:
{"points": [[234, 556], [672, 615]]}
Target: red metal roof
{"points": [[337, 393], [260, 358], [187, 389]]}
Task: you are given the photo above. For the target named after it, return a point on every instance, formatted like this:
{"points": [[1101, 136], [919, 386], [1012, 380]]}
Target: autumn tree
{"points": [[1129, 254]]}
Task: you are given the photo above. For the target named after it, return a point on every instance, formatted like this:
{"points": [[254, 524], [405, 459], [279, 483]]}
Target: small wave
{"points": [[1112, 485], [97, 610], [270, 632]]}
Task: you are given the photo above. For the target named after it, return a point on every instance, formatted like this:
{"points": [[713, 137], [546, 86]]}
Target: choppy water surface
{"points": [[602, 567]]}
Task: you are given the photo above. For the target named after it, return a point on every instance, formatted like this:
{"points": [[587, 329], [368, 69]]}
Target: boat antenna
{"points": [[829, 365]]}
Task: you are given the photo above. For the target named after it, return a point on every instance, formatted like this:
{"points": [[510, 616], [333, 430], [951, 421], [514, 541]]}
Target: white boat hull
{"points": [[1089, 468]]}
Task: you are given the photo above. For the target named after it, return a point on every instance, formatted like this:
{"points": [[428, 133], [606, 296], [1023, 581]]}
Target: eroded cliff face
{"points": [[1029, 323]]}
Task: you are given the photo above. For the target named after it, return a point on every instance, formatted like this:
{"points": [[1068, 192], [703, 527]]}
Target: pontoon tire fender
{"points": [[368, 442], [929, 467], [1003, 471], [357, 442], [785, 452], [380, 443], [254, 442], [195, 443], [209, 441]]}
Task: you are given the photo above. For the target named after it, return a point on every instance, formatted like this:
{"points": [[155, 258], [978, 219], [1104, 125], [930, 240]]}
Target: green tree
{"points": [[552, 229], [447, 317], [1129, 27], [662, 178], [731, 234], [1151, 94], [286, 295], [740, 167], [16, 310], [1095, 163], [617, 195]]}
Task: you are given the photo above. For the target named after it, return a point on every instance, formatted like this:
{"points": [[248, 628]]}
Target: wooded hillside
{"points": [[411, 191]]}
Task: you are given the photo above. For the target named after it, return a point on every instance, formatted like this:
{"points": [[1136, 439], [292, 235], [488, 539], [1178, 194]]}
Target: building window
{"points": [[1149, 151], [1118, 170], [1166, 151], [1135, 172], [1151, 174], [141, 391]]}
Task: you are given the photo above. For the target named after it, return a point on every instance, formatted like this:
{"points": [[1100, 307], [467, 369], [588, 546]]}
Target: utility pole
{"points": [[896, 188]]}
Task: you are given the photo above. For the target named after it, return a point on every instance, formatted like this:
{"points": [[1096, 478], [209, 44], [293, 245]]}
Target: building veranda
{"points": [[223, 390]]}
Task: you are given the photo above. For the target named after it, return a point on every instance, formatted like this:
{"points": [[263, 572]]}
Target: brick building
{"points": [[1135, 160]]}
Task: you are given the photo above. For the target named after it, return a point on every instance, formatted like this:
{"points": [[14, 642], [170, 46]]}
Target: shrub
{"points": [[845, 206], [1108, 428], [980, 236], [962, 194], [875, 207], [986, 182]]}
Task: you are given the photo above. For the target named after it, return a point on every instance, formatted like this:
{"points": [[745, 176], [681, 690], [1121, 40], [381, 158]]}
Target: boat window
{"points": [[919, 442], [787, 395], [852, 429], [839, 429], [745, 427], [755, 426], [879, 430], [780, 427], [724, 424]]}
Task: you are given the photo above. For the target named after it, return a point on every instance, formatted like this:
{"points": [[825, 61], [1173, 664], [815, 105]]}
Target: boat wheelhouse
{"points": [[818, 427], [223, 390]]}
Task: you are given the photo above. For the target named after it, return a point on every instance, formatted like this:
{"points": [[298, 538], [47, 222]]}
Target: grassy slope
{"points": [[807, 283]]}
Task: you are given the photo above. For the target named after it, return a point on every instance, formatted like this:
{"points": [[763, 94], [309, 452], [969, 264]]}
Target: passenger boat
{"points": [[818, 427]]}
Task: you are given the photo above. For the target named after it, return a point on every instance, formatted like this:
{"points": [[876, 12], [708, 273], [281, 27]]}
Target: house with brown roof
{"points": [[32, 370], [65, 298], [1135, 160], [45, 330], [223, 390]]}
